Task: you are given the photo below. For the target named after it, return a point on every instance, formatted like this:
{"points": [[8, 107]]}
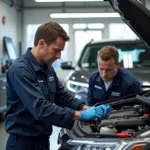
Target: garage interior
{"points": [[21, 18]]}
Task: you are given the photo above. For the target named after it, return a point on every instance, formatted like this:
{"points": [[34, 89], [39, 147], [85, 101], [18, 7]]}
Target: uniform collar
{"points": [[33, 61], [99, 79], [117, 78], [115, 81]]}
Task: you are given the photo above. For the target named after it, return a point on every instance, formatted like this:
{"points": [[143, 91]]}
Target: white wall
{"points": [[39, 16], [11, 28]]}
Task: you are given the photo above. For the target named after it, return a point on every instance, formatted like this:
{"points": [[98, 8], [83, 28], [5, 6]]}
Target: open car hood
{"points": [[136, 16]]}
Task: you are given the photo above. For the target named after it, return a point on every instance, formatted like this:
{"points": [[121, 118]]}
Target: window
{"points": [[84, 33], [121, 31], [132, 54]]}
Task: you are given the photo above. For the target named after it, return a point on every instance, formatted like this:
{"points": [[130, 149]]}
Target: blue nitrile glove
{"points": [[91, 113], [106, 109]]}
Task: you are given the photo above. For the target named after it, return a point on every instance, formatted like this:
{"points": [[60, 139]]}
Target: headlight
{"points": [[138, 146], [76, 87], [107, 145], [91, 145]]}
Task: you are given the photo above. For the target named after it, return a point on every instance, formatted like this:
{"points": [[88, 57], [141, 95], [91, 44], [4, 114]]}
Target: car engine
{"points": [[129, 118]]}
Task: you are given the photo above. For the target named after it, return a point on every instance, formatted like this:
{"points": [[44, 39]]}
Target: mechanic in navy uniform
{"points": [[110, 82], [36, 99]]}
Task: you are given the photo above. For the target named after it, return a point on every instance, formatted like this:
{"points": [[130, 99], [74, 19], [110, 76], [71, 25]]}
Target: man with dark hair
{"points": [[110, 82], [36, 99]]}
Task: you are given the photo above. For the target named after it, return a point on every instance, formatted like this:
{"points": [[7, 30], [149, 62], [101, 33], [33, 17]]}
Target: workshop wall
{"points": [[9, 25], [40, 15]]}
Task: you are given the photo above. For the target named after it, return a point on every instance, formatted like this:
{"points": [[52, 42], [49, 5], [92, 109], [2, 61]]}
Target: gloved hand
{"points": [[91, 113], [106, 109], [95, 112]]}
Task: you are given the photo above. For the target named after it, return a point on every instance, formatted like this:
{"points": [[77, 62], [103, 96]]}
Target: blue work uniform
{"points": [[36, 100], [123, 84]]}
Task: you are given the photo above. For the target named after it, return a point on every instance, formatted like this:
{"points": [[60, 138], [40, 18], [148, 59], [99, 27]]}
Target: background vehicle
{"points": [[134, 56], [127, 127]]}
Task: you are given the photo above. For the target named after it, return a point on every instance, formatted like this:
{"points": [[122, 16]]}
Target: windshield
{"points": [[131, 55]]}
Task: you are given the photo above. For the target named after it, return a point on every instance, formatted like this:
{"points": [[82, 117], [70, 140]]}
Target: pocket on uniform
{"points": [[43, 88], [97, 93], [52, 86], [52, 93]]}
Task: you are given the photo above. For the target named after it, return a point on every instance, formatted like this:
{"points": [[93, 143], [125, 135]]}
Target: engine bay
{"points": [[129, 118]]}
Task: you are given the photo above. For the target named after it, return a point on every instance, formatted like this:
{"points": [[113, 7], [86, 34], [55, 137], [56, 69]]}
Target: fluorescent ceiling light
{"points": [[84, 15], [89, 26], [66, 0]]}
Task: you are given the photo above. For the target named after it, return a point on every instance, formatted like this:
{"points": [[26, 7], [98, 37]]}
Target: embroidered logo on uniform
{"points": [[115, 94], [51, 78], [40, 81], [98, 87]]}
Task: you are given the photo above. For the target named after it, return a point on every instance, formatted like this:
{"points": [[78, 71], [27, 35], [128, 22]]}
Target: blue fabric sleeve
{"points": [[132, 88], [90, 89], [29, 92]]}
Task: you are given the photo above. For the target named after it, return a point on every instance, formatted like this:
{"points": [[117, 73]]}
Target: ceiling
{"points": [[86, 6], [101, 6]]}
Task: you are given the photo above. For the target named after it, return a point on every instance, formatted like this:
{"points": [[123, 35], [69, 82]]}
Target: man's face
{"points": [[50, 53], [107, 69]]}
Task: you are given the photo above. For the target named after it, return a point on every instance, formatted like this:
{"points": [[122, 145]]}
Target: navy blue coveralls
{"points": [[123, 84], [36, 100]]}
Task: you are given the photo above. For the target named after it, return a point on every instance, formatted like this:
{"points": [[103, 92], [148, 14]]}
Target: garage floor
{"points": [[4, 135]]}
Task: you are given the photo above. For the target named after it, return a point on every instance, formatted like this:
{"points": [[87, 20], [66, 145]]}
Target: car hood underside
{"points": [[136, 16]]}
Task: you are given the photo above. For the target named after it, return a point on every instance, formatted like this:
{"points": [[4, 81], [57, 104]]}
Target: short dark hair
{"points": [[108, 52], [50, 31]]}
